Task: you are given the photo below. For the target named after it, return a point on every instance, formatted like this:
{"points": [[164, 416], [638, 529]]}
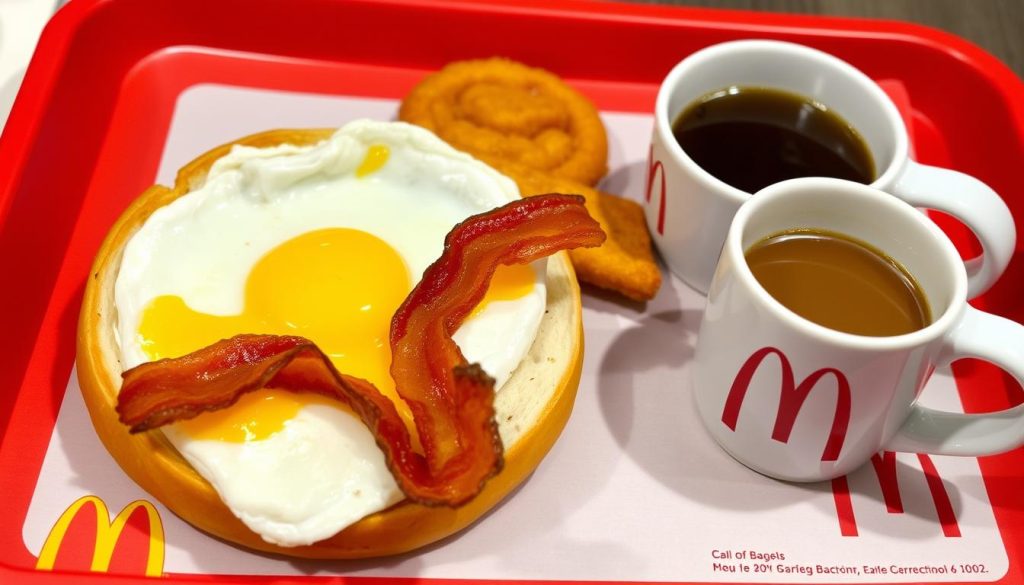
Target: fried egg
{"points": [[325, 242]]}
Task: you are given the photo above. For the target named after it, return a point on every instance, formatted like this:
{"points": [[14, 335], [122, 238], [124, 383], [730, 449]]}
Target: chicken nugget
{"points": [[625, 262], [504, 109]]}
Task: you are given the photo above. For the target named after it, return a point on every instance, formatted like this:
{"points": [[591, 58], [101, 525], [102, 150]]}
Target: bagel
{"points": [[531, 408]]}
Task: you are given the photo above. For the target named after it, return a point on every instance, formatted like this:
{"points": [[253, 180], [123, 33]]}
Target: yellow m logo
{"points": [[107, 535]]}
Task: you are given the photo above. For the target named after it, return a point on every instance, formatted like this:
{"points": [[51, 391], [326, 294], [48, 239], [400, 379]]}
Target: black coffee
{"points": [[752, 137]]}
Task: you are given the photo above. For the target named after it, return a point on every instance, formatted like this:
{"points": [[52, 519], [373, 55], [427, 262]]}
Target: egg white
{"points": [[323, 471]]}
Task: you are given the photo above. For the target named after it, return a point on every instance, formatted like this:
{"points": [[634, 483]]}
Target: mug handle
{"points": [[972, 202], [978, 335]]}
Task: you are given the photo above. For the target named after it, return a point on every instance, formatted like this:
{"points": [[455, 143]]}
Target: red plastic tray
{"points": [[88, 128]]}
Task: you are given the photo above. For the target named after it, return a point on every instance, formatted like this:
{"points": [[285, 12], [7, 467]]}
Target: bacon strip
{"points": [[450, 399]]}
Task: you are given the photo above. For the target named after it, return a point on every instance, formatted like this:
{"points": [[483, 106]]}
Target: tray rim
{"points": [[51, 52], [50, 61]]}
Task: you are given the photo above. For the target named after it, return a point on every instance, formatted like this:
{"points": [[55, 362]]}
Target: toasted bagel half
{"points": [[532, 407]]}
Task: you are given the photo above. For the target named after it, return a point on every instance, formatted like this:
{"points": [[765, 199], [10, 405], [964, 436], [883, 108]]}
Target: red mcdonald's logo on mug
{"points": [[654, 167], [791, 400]]}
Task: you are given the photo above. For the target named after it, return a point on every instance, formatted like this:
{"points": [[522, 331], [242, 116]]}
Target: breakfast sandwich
{"points": [[334, 344]]}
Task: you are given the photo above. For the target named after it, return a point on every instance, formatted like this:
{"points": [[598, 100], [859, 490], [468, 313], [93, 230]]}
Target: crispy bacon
{"points": [[450, 399]]}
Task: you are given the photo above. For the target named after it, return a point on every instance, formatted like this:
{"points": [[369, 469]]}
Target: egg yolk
{"points": [[339, 288], [375, 158]]}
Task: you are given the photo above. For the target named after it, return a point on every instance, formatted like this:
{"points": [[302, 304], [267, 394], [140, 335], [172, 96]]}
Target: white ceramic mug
{"points": [[689, 210], [798, 401]]}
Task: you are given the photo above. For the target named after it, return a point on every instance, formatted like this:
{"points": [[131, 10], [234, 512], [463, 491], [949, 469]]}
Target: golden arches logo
{"points": [[107, 535]]}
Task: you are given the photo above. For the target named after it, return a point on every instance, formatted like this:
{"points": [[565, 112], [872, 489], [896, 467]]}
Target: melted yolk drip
{"points": [[338, 287], [375, 158]]}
